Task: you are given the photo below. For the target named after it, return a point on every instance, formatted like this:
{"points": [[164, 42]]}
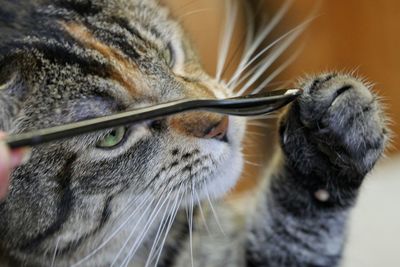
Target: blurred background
{"points": [[352, 35]]}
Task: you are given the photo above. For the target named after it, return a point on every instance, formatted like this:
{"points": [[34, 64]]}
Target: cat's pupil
{"points": [[114, 138]]}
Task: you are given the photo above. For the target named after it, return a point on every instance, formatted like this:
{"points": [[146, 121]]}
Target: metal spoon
{"points": [[252, 105]]}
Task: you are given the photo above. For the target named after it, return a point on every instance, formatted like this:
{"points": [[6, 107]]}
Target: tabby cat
{"points": [[140, 195]]}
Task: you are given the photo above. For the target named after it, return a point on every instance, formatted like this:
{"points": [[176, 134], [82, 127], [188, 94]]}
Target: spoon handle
{"points": [[240, 106]]}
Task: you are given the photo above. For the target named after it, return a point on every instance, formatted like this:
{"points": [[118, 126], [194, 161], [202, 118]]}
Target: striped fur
{"points": [[152, 199]]}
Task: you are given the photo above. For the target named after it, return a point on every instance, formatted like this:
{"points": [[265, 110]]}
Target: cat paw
{"points": [[336, 125]]}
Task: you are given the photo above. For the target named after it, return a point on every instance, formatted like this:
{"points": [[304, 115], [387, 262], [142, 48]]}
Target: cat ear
{"points": [[17, 70], [8, 104], [13, 90], [14, 70], [12, 86]]}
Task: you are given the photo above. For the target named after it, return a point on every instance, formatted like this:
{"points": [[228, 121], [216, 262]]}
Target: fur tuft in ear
{"points": [[13, 89], [15, 70], [9, 105]]}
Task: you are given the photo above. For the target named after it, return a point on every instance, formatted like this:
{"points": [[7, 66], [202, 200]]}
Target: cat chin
{"points": [[231, 163], [225, 178], [227, 175]]}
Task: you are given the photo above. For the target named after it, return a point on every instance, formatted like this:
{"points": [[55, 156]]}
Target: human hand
{"points": [[8, 161]]}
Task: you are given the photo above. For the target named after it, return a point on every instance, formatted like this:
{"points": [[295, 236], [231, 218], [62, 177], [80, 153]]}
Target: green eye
{"points": [[112, 139], [168, 56]]}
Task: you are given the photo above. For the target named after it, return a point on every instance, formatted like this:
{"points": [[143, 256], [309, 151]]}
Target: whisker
{"points": [[132, 232], [172, 219], [164, 231], [231, 16], [233, 84], [202, 213], [158, 235], [270, 59], [126, 208], [256, 133], [285, 84], [251, 143], [249, 73], [253, 163], [214, 213], [248, 35], [191, 225], [55, 252], [278, 71], [194, 12], [185, 6], [105, 242], [239, 72], [262, 35], [146, 228], [151, 218], [250, 28]]}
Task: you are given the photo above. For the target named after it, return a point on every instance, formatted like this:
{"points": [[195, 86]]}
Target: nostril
{"points": [[219, 131], [156, 125]]}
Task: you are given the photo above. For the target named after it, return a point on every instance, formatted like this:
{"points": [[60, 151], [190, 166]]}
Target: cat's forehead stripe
{"points": [[121, 69], [125, 71]]}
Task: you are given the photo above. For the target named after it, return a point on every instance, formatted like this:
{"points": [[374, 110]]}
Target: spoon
{"points": [[251, 105]]}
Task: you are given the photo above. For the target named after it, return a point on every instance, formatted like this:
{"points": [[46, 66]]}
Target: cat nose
{"points": [[219, 130], [201, 125]]}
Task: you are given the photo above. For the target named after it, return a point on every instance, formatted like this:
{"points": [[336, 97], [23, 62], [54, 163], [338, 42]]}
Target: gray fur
{"points": [[71, 196]]}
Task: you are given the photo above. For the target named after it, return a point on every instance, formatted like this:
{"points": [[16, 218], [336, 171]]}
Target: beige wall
{"points": [[362, 34], [346, 35]]}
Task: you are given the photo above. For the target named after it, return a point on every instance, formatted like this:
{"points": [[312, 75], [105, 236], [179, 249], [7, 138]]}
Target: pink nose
{"points": [[219, 130], [201, 125]]}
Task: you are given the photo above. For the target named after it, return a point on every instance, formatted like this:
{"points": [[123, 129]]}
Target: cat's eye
{"points": [[113, 139], [169, 56]]}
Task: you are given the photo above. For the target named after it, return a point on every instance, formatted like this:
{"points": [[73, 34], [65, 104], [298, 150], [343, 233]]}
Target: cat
{"points": [[142, 195]]}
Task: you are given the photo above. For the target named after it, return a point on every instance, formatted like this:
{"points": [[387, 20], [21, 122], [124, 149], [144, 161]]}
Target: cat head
{"points": [[85, 59]]}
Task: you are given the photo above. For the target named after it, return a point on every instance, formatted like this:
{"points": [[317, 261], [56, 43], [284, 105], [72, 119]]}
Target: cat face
{"points": [[97, 59]]}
